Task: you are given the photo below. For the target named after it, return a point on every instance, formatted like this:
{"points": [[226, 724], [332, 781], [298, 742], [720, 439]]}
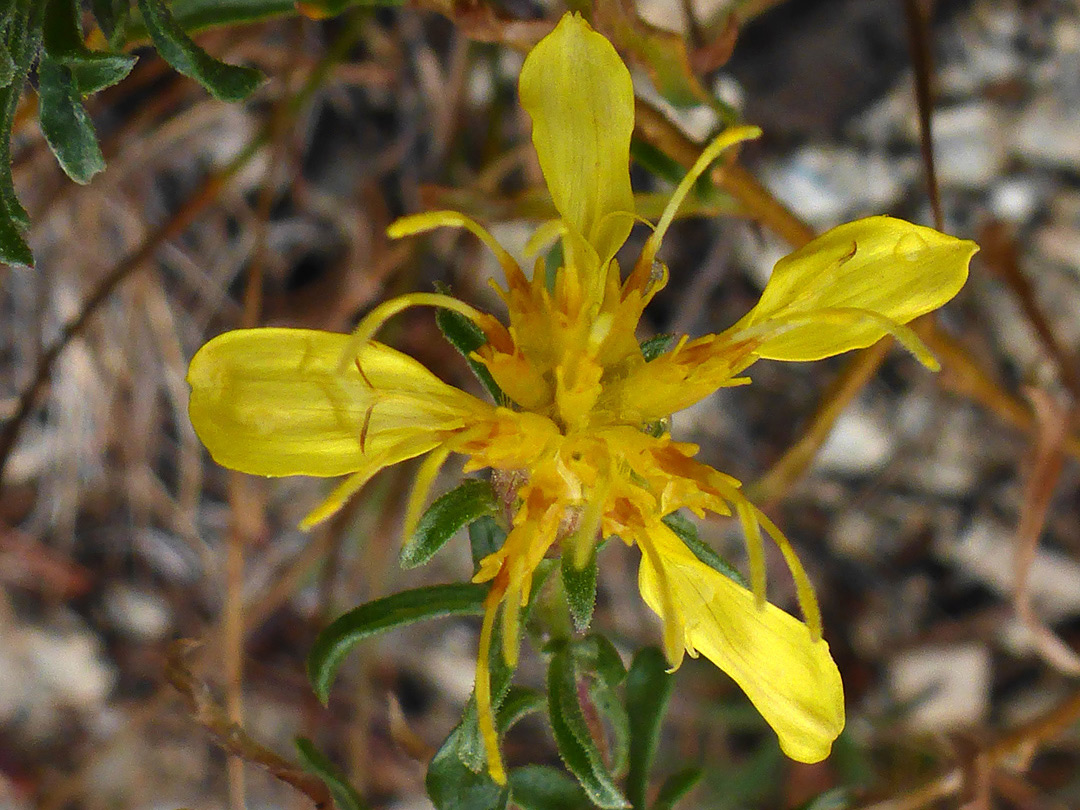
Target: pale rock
{"points": [[1016, 199], [1046, 133], [827, 184], [948, 687], [970, 151], [854, 534], [859, 443], [1059, 243], [142, 615], [985, 552]]}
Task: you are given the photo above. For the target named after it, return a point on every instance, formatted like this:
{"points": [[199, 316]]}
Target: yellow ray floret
{"points": [[584, 438]]}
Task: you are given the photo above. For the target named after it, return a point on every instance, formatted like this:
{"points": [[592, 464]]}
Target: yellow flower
{"points": [[579, 429]]}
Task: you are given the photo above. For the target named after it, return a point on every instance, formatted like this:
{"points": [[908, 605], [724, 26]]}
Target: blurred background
{"points": [[938, 515]]}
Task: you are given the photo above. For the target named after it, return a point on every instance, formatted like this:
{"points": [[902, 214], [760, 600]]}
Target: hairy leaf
{"points": [[67, 127], [315, 762], [648, 688], [407, 607], [223, 81], [572, 737], [449, 513]]}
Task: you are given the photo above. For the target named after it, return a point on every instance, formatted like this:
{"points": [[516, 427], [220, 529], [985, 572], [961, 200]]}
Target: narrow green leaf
{"points": [[467, 337], [13, 248], [452, 785], [519, 703], [656, 346], [315, 762], [485, 537], [23, 36], [445, 517], [113, 16], [63, 41], [68, 129], [407, 607], [7, 68], [676, 787], [541, 787], [688, 533], [648, 688], [580, 586], [576, 746], [225, 82], [198, 15], [596, 655], [611, 709]]}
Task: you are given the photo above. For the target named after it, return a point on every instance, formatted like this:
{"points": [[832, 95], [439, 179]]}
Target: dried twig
{"points": [[1052, 423], [230, 736], [918, 29], [1014, 746]]}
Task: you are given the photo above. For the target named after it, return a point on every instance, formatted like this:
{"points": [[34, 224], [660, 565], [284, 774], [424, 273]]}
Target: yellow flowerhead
{"points": [[579, 431]]}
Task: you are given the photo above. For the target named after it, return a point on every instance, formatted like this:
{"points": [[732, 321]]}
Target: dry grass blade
{"points": [[1052, 424], [918, 28]]}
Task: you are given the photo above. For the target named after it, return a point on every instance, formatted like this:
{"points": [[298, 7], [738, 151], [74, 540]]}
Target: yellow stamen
{"points": [[484, 713], [804, 591], [755, 549], [724, 140], [335, 500], [420, 223], [374, 320], [425, 479]]}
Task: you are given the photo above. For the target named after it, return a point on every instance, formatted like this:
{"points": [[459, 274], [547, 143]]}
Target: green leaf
{"points": [[21, 39], [112, 16], [315, 762], [407, 607], [7, 68], [572, 737], [648, 688], [485, 537], [68, 129], [13, 248], [63, 41], [676, 787], [445, 517], [519, 703], [611, 709], [23, 36], [596, 655], [467, 337], [656, 346], [198, 15], [688, 533], [541, 787], [224, 82], [580, 586], [452, 785]]}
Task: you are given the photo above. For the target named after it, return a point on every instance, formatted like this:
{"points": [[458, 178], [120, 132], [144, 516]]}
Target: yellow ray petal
{"points": [[273, 402], [789, 678], [581, 100], [887, 267]]}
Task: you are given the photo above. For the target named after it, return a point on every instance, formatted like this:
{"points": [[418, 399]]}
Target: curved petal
{"points": [[278, 402], [581, 100], [886, 267], [789, 678]]}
